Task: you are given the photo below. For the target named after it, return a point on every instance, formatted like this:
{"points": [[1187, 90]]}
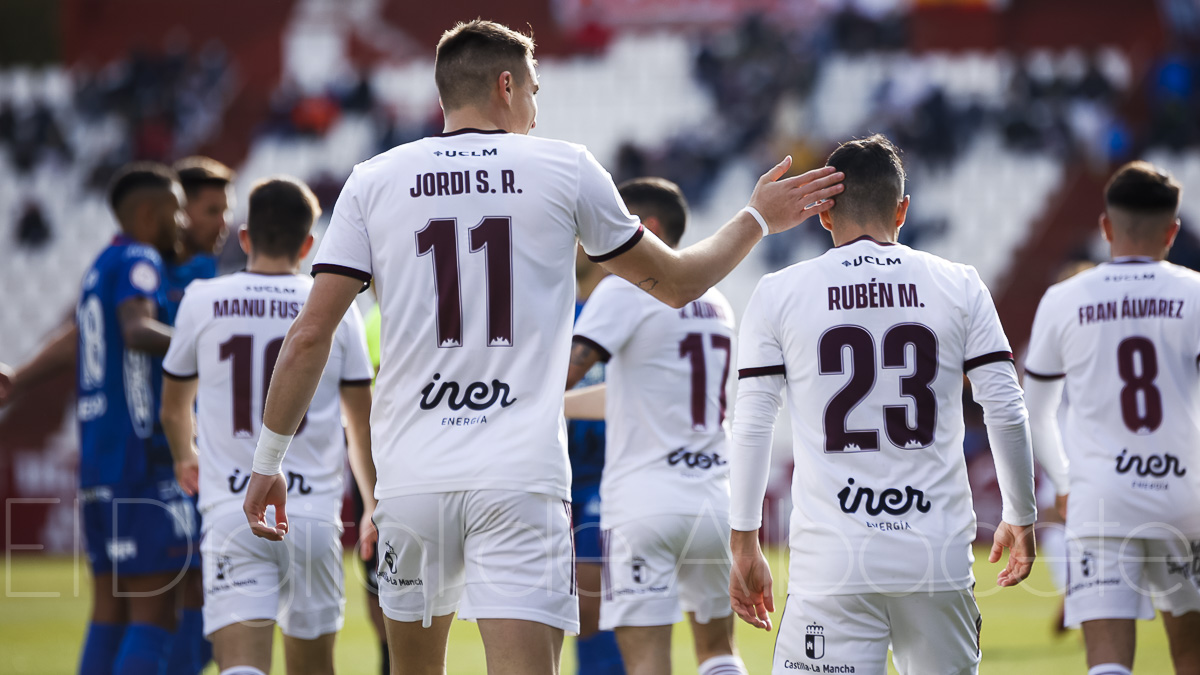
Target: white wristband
{"points": [[758, 216], [268, 456]]}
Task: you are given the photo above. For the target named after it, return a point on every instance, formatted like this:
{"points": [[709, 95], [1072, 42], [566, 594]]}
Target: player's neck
{"points": [[845, 235], [1134, 250], [273, 266], [469, 118]]}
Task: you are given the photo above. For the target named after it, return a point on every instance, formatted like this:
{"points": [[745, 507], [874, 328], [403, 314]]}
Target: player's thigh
{"points": [[832, 633], [645, 649], [1183, 635], [312, 600], [935, 633], [520, 646], [420, 573], [704, 566], [1106, 580], [587, 577], [243, 644], [585, 515], [241, 573], [415, 649], [309, 657], [519, 559], [640, 577]]}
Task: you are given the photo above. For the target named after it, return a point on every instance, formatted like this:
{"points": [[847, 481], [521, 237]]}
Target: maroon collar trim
{"points": [[468, 130], [869, 238]]}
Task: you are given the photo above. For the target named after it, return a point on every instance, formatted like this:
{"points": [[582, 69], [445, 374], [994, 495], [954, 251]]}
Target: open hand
{"points": [[1018, 539], [264, 491], [187, 474], [367, 535], [786, 203], [750, 591]]}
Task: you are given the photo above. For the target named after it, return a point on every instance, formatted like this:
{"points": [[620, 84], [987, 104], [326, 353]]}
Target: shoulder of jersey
{"points": [[140, 250]]}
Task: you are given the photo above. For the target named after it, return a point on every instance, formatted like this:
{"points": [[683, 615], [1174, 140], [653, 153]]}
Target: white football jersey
{"points": [[471, 238], [873, 340], [228, 333], [1126, 336], [666, 437]]}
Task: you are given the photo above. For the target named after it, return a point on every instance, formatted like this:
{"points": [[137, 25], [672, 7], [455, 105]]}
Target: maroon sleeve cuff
{"points": [[994, 357], [356, 383], [182, 378], [637, 236], [763, 371], [326, 268], [1041, 376]]}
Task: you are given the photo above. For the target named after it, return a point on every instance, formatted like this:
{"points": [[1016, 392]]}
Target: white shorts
{"points": [[509, 553], [929, 633], [296, 582], [657, 567], [1121, 578]]}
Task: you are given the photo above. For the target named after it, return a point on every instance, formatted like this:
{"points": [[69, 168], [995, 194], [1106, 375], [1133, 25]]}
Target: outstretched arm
{"points": [[679, 277], [586, 403], [301, 361], [56, 356]]}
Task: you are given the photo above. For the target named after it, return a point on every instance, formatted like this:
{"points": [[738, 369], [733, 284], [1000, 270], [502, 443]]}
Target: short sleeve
{"points": [[610, 316], [356, 366], [1043, 359], [760, 351], [605, 227], [345, 248], [986, 341], [180, 361], [141, 275]]}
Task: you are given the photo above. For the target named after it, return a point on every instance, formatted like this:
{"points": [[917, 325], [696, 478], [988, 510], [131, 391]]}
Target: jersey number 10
{"points": [[239, 350]]}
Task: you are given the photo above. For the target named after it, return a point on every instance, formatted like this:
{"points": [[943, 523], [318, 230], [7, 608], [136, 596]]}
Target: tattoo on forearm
{"points": [[648, 283]]}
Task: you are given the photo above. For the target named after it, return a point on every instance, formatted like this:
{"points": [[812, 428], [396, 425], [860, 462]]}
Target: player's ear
{"points": [[902, 211], [827, 220], [1106, 227], [1172, 232], [306, 246], [244, 239], [505, 82]]}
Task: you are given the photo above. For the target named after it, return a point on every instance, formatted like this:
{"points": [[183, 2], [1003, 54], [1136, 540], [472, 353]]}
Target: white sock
{"points": [[727, 664], [242, 670], [1109, 669]]}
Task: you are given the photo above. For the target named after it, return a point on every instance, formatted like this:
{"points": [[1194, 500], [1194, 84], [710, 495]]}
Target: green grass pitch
{"points": [[45, 605]]}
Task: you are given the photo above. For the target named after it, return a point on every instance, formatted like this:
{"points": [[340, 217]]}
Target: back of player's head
{"points": [[282, 211], [1142, 199], [197, 173], [874, 182], [138, 180], [657, 198], [472, 55]]}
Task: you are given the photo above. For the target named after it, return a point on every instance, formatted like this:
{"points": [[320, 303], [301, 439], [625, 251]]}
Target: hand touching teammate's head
{"points": [[147, 200], [873, 199], [489, 67], [1141, 209]]}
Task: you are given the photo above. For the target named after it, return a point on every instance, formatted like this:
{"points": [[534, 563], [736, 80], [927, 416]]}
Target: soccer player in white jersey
{"points": [[1123, 340], [664, 494], [470, 237], [871, 341], [228, 336]]}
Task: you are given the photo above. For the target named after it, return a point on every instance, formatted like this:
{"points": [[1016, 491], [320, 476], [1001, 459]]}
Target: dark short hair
{"points": [[282, 211], [472, 55], [874, 182], [1144, 189], [136, 177], [197, 173], [658, 198]]}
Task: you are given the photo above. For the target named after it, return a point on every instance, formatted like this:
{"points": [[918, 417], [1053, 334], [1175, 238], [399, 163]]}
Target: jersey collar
{"points": [[867, 237], [1132, 260], [469, 130]]}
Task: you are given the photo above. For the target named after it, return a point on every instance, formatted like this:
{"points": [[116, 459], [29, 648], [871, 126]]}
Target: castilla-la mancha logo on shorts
{"points": [[814, 641]]}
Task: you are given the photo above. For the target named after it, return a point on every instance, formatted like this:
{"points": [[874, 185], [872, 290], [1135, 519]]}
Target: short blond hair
{"points": [[472, 55]]}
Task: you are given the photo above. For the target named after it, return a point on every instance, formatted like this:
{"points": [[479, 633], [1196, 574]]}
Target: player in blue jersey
{"points": [[138, 524], [596, 650], [207, 185]]}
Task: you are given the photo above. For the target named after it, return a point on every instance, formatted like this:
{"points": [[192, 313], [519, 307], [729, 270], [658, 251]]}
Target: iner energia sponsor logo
{"points": [[474, 396], [892, 501], [1151, 465]]}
